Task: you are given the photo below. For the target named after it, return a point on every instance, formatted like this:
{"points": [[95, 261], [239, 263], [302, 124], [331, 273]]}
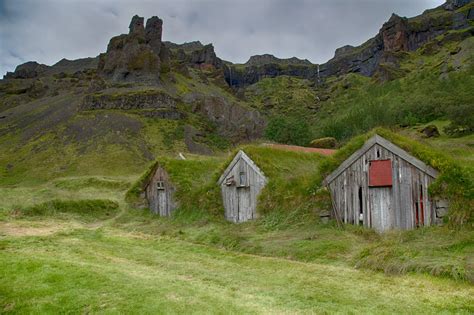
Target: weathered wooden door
{"points": [[243, 202], [162, 202], [379, 198]]}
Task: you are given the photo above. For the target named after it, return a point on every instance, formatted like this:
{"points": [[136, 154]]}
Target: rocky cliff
{"points": [[138, 56], [397, 35]]}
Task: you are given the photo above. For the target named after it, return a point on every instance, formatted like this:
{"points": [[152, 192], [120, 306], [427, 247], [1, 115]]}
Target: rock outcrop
{"points": [[195, 54], [153, 99], [28, 70], [396, 36], [137, 56], [267, 59], [234, 121]]}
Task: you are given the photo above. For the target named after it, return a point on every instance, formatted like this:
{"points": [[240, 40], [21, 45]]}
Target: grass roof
{"points": [[291, 177], [455, 183]]}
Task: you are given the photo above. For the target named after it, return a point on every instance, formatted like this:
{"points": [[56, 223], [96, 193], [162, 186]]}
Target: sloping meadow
{"points": [[289, 207]]}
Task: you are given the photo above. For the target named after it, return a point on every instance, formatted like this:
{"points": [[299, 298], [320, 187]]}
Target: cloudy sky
{"points": [[49, 30]]}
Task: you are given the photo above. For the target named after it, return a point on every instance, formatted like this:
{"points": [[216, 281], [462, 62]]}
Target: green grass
{"points": [[107, 270], [86, 209], [82, 255]]}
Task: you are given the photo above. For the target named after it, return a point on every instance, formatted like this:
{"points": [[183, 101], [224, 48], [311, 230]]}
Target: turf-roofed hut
{"points": [[382, 186], [241, 183], [160, 192], [157, 191]]}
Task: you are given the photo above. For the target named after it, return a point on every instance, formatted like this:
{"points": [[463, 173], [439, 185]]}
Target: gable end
{"points": [[390, 147], [241, 155]]}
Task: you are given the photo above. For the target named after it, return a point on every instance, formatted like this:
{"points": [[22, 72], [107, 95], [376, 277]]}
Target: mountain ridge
{"points": [[398, 34], [145, 97]]}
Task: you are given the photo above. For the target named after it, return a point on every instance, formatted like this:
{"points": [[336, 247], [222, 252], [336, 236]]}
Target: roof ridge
{"points": [[377, 139]]}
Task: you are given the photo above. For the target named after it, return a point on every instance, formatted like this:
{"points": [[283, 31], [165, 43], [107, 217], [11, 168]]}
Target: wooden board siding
{"points": [[383, 207], [240, 202], [160, 201]]}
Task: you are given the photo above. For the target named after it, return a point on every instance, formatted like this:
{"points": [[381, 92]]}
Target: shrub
{"points": [[462, 120], [288, 130], [324, 143]]}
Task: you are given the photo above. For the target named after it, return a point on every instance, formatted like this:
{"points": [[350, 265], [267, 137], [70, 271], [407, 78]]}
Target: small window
{"points": [[160, 185], [242, 179]]}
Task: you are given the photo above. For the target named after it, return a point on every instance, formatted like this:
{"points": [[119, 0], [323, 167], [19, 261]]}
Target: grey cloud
{"points": [[48, 30]]}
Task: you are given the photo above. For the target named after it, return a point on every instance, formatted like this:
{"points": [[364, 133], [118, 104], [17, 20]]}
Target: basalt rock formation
{"points": [[139, 56], [397, 35], [28, 70]]}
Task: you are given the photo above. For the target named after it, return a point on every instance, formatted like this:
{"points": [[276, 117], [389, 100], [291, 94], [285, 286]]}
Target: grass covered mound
{"points": [[84, 210], [287, 198], [193, 178], [455, 182]]}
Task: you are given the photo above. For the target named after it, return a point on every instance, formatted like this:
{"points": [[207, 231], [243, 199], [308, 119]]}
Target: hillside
{"points": [[80, 138], [143, 97]]}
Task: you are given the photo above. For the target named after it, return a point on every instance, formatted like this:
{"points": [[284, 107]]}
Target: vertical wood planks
{"points": [[240, 202], [383, 207]]}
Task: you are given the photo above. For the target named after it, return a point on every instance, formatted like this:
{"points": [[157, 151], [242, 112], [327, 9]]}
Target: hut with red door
{"points": [[382, 186]]}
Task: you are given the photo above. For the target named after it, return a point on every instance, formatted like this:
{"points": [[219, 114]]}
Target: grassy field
{"points": [[56, 266], [73, 245]]}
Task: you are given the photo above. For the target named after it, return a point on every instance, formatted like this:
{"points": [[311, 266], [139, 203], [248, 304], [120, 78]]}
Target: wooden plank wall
{"points": [[161, 201], [400, 198], [240, 203]]}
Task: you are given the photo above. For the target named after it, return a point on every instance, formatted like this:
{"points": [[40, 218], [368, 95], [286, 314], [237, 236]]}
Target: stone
{"points": [[205, 55], [267, 58], [139, 56], [153, 33], [452, 5], [430, 131], [153, 99], [27, 70], [137, 25], [234, 122], [394, 34], [191, 135], [343, 50]]}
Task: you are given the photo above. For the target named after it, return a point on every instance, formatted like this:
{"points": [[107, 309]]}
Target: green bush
{"points": [[324, 143], [462, 120], [288, 130]]}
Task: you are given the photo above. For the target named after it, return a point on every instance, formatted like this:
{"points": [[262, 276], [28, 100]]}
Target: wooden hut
{"points": [[381, 186], [241, 184], [159, 192]]}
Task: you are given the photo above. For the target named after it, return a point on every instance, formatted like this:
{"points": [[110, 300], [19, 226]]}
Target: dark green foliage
{"points": [[87, 210], [324, 143], [462, 119], [288, 130]]}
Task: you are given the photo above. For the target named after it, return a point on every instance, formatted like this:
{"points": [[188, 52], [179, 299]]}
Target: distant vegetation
{"points": [[429, 86]]}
